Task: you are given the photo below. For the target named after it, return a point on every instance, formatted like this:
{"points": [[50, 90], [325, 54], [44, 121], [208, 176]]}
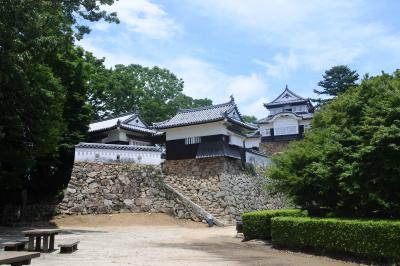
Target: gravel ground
{"points": [[157, 239]]}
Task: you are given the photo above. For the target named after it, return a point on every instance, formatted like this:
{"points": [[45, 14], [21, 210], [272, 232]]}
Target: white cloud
{"points": [[246, 87], [203, 79], [256, 108], [311, 33], [144, 17], [113, 57], [281, 65]]}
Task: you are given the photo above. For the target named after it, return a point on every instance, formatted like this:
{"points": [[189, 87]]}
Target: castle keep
{"points": [[213, 164]]}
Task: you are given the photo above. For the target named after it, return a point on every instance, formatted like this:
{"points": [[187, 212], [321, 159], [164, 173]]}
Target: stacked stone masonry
{"points": [[218, 186], [273, 147], [221, 186], [118, 187]]}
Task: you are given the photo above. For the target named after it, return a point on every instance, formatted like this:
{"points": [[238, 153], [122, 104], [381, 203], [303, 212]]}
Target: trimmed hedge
{"points": [[257, 224], [363, 238]]}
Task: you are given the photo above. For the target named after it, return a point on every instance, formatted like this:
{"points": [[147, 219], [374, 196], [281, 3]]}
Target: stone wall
{"points": [[221, 186], [204, 167], [189, 189], [119, 187], [273, 147]]}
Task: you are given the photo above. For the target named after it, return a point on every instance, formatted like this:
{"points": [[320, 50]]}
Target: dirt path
{"points": [[156, 239]]}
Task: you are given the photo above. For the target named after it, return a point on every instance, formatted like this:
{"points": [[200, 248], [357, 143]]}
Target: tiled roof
{"points": [[242, 123], [138, 129], [255, 134], [270, 117], [213, 113], [257, 152], [109, 122], [217, 149], [120, 121], [287, 97], [271, 104], [116, 147]]}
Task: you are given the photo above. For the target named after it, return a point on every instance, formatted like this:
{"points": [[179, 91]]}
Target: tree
{"points": [[97, 83], [348, 163], [52, 171], [35, 37], [335, 81], [249, 118], [157, 92]]}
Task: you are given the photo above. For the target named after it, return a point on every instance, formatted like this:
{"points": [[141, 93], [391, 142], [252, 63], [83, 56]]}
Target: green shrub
{"points": [[258, 224], [348, 163], [364, 238]]}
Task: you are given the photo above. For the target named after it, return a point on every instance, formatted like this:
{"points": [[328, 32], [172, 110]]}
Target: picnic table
{"points": [[17, 258], [37, 234]]}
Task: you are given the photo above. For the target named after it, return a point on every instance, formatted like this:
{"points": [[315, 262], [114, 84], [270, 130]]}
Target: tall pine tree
{"points": [[335, 81]]}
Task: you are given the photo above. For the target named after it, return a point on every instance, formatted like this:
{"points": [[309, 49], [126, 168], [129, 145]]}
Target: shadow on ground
{"points": [[15, 233]]}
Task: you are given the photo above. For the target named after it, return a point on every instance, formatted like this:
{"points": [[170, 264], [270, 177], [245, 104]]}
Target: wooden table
{"points": [[47, 234], [17, 258]]}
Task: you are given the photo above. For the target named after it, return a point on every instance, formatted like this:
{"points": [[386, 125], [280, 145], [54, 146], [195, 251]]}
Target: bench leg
{"points": [[51, 245], [31, 243], [38, 242], [26, 262], [20, 263], [45, 243]]}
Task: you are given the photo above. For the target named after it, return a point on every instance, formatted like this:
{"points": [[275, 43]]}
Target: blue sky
{"points": [[250, 48]]}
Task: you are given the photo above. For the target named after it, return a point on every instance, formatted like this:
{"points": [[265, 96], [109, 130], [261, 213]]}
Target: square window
{"points": [[192, 140]]}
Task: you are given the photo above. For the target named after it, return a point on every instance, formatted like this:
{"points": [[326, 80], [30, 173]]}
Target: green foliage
{"points": [[249, 118], [368, 239], [249, 169], [50, 90], [40, 83], [157, 92], [335, 81], [52, 171], [347, 164], [258, 224]]}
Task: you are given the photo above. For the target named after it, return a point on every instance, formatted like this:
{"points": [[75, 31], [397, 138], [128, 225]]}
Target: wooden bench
{"points": [[17, 258], [68, 247], [14, 245], [39, 235]]}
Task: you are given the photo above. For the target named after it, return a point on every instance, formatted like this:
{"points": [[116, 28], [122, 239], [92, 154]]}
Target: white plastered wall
{"points": [[209, 129], [121, 135], [286, 125], [201, 130], [264, 127], [253, 142], [109, 155], [115, 135]]}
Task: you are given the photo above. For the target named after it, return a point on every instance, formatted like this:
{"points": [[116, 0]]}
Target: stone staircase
{"points": [[211, 207], [216, 211], [197, 210]]}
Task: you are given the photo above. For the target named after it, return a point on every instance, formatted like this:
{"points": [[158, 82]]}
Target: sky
{"points": [[250, 48]]}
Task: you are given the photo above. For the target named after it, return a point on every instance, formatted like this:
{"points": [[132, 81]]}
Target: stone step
{"points": [[216, 211]]}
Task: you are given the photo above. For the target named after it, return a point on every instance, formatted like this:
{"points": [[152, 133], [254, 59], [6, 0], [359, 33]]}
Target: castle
{"points": [[193, 165]]}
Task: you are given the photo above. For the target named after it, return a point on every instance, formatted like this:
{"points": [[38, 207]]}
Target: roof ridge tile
{"points": [[114, 116], [188, 110]]}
